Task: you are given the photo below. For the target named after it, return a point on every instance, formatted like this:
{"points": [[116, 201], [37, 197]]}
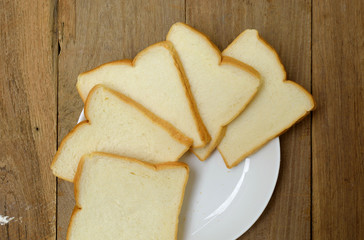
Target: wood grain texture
{"points": [[93, 33], [286, 25], [28, 113], [338, 123]]}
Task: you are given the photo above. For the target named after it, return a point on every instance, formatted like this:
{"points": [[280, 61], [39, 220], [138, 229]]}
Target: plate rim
{"points": [[264, 206]]}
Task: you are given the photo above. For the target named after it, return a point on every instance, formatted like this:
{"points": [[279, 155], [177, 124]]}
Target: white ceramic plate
{"points": [[221, 203]]}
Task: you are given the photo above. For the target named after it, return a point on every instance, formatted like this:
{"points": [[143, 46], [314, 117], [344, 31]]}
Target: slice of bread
{"points": [[123, 198], [154, 80], [117, 124], [222, 86], [278, 105]]}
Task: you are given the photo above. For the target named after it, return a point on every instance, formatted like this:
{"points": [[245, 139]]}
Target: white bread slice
{"points": [[222, 86], [123, 198], [117, 124], [278, 105], [154, 80]]}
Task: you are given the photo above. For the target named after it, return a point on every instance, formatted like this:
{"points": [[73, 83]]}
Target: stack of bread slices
{"points": [[143, 115]]}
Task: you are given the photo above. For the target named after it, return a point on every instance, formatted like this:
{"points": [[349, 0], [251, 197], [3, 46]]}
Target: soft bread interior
{"points": [[277, 106]]}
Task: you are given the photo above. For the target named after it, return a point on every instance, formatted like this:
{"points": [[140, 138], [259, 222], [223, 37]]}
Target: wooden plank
{"points": [[286, 26], [94, 33], [28, 115], [338, 123]]}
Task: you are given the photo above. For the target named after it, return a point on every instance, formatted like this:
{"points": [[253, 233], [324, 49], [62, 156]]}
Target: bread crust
{"points": [[211, 149], [156, 167], [64, 140], [173, 132], [76, 209], [202, 131], [229, 61], [284, 80], [204, 134]]}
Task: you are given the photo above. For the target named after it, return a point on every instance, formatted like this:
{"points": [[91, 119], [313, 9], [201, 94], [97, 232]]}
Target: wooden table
{"points": [[44, 45]]}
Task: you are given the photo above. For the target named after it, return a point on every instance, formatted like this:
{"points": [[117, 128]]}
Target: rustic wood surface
{"points": [[28, 119], [338, 123], [46, 44]]}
